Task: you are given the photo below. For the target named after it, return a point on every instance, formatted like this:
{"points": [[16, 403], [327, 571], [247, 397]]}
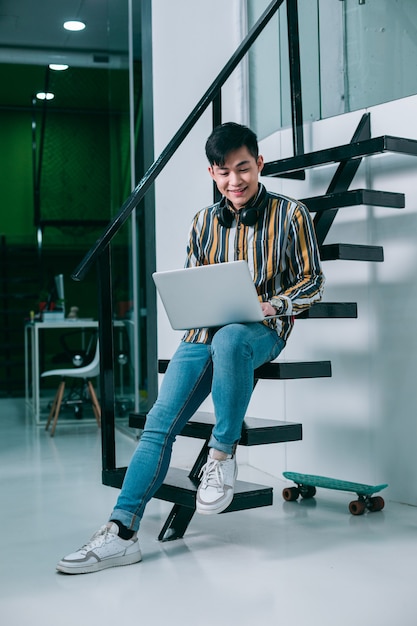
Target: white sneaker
{"points": [[216, 489], [105, 549]]}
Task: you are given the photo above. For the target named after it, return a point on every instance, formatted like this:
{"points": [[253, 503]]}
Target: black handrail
{"points": [[153, 171]]}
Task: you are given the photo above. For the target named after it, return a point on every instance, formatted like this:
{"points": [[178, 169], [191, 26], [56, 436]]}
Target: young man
{"points": [[275, 235]]}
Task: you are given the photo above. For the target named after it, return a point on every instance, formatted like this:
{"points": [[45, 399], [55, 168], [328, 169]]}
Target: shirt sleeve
{"points": [[303, 279], [193, 247]]}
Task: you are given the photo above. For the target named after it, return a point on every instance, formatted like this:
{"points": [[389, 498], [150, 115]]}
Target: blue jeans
{"points": [[225, 368]]}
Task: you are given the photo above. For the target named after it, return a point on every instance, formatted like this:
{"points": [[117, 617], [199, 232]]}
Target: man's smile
{"points": [[238, 192]]}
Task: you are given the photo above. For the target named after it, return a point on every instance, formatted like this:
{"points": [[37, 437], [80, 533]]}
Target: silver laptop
{"points": [[209, 295]]}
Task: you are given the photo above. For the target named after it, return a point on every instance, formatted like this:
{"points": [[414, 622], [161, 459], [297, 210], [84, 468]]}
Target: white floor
{"points": [[295, 564]]}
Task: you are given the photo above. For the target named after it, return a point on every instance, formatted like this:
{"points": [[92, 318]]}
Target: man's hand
{"points": [[267, 309]]}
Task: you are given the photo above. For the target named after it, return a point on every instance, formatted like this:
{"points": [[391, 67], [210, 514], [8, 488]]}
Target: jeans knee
{"points": [[231, 341]]}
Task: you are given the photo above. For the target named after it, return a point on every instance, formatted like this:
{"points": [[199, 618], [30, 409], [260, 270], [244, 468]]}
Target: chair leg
{"points": [[54, 403], [56, 407], [94, 402], [51, 412]]}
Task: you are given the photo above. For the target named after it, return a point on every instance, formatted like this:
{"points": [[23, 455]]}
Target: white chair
{"points": [[86, 373]]}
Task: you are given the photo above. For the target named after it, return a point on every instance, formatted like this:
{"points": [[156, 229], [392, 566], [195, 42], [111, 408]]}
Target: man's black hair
{"points": [[227, 137]]}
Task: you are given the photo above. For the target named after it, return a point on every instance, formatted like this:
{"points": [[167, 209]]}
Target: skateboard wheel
{"points": [[376, 504], [307, 491], [357, 507], [290, 493]]}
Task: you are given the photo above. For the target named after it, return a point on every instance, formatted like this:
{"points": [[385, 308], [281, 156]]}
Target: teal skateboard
{"points": [[307, 483]]}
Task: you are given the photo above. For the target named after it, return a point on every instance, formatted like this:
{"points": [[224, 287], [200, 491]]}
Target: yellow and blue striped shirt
{"points": [[280, 249]]}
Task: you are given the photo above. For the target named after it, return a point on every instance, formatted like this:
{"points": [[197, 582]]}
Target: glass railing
{"points": [[353, 53]]}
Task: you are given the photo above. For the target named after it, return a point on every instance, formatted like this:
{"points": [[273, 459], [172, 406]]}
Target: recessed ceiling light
{"points": [[74, 25], [59, 67], [41, 95]]}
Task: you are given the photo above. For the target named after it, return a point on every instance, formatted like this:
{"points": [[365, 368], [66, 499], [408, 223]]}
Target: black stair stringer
{"points": [[342, 179]]}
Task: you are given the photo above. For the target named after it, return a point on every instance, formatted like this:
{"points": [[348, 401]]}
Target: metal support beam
{"points": [[295, 77], [342, 179], [105, 335]]}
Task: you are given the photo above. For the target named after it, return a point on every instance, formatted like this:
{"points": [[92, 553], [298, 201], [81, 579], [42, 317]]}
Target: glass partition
{"points": [[128, 267], [354, 54], [86, 145], [380, 51]]}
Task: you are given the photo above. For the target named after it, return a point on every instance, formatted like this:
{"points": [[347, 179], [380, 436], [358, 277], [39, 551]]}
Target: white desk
{"points": [[32, 373]]}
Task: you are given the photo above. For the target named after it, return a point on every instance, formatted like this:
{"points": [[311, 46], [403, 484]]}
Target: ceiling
{"points": [[32, 36]]}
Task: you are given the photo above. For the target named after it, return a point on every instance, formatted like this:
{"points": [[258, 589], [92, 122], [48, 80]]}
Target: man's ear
{"points": [[211, 172], [260, 163]]}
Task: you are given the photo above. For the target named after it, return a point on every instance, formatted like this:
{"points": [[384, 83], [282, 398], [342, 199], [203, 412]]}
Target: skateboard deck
{"points": [[307, 483]]}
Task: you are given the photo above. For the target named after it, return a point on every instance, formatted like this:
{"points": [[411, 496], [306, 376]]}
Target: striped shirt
{"points": [[281, 252]]}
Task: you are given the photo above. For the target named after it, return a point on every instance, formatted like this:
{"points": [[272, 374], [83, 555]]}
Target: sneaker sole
{"points": [[100, 565], [207, 509]]}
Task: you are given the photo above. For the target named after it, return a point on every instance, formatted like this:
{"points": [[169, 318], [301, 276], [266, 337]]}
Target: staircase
{"points": [[180, 486], [338, 195]]}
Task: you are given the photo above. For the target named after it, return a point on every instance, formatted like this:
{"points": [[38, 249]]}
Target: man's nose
{"points": [[235, 179]]}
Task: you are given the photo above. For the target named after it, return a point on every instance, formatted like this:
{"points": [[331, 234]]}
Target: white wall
{"points": [[192, 43], [359, 424], [362, 424]]}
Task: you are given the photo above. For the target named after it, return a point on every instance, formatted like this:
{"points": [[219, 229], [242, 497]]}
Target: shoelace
{"points": [[212, 474], [97, 540]]}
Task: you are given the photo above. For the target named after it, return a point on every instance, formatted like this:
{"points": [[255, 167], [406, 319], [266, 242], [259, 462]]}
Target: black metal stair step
{"points": [[255, 431], [367, 147], [281, 370], [351, 252], [179, 488], [355, 197], [330, 310]]}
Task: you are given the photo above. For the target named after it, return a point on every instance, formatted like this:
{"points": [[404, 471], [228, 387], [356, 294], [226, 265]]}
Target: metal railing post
{"points": [[105, 335], [295, 77]]}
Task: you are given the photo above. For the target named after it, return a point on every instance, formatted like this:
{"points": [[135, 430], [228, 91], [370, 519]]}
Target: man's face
{"points": [[237, 179]]}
